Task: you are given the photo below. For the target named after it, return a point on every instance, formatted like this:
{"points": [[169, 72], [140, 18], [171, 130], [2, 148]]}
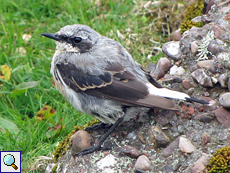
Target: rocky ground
{"points": [[197, 63]]}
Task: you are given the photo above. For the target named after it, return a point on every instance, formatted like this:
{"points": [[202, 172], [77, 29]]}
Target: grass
{"points": [[30, 87]]}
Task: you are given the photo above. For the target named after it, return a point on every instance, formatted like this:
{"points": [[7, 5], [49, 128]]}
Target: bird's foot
{"points": [[98, 127], [92, 149]]}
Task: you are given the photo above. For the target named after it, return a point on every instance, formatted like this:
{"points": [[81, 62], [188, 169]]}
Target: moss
{"points": [[54, 168], [186, 25], [64, 145], [220, 161], [193, 10]]}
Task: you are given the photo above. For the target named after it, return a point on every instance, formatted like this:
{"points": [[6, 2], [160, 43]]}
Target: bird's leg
{"points": [[98, 127], [99, 147]]}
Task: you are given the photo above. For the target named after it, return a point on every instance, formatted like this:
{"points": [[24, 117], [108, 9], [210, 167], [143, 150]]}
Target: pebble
{"points": [[185, 145], [223, 117], [108, 161], [80, 140], [204, 117], [172, 50], [188, 110], [50, 167], [224, 100], [171, 147], [223, 78], [205, 139], [176, 36], [194, 47], [200, 164], [187, 84], [130, 151], [229, 84], [202, 78], [162, 68], [207, 64], [175, 70], [159, 138], [223, 58], [143, 163]]}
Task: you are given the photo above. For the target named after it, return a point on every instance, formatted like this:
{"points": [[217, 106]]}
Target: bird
{"points": [[99, 77]]}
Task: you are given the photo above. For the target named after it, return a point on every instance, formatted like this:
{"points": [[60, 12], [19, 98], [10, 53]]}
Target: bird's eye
{"points": [[77, 40]]}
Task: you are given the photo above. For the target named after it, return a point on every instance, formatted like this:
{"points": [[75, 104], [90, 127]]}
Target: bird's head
{"points": [[74, 38]]}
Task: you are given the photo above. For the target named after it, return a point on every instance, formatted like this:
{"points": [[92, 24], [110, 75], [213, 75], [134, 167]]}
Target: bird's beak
{"points": [[52, 36]]}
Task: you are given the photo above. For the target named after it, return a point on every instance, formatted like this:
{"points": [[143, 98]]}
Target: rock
{"points": [[80, 140], [174, 70], [161, 120], [229, 84], [197, 19], [176, 36], [143, 163], [224, 100], [172, 50], [204, 117], [207, 64], [50, 167], [188, 110], [159, 138], [171, 79], [223, 117], [223, 78], [130, 151], [200, 164], [107, 162], [194, 47], [224, 59], [185, 145], [151, 68], [171, 148], [205, 139], [187, 83], [163, 66], [202, 78]]}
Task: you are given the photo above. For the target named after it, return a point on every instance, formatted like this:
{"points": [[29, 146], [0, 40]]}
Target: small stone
{"points": [[108, 161], [171, 148], [207, 64], [159, 138], [143, 163], [161, 120], [172, 50], [213, 104], [188, 110], [174, 70], [224, 100], [200, 164], [223, 117], [202, 78], [205, 139], [80, 140], [223, 78], [186, 146], [176, 36], [194, 48], [151, 68], [162, 68], [171, 79], [50, 167], [229, 84], [130, 151], [204, 117]]}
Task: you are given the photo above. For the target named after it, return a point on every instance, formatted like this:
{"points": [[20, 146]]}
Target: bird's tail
{"points": [[167, 93]]}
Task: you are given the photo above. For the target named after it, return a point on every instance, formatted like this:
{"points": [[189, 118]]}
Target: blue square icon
{"points": [[10, 161]]}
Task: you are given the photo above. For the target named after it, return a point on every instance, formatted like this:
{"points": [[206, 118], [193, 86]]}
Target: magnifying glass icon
{"points": [[9, 160]]}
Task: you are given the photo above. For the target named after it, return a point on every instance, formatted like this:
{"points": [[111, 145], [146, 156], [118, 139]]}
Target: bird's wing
{"points": [[115, 83]]}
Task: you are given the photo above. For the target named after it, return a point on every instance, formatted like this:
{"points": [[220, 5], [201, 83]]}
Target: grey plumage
{"points": [[99, 77]]}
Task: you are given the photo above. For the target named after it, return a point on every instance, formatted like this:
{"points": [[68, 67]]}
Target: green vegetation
{"points": [[220, 161], [34, 117]]}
